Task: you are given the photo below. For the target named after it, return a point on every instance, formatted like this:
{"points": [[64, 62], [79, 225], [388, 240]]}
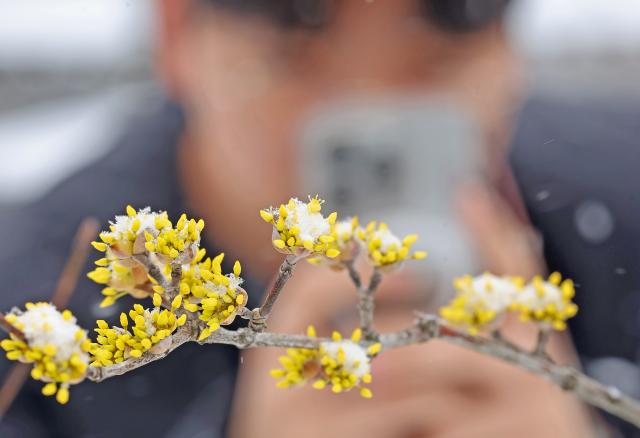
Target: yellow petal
{"points": [[311, 331], [49, 389], [419, 255], [63, 395], [266, 216], [100, 246], [374, 349], [332, 253]]}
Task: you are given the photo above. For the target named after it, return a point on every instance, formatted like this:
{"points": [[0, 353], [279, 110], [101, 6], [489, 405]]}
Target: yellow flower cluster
{"points": [[300, 228], [480, 302], [133, 234], [547, 302], [121, 277], [146, 332], [144, 230], [215, 296], [55, 345], [384, 248], [126, 235], [340, 364]]}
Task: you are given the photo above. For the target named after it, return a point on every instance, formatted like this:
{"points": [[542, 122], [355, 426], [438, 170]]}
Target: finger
{"points": [[502, 240]]}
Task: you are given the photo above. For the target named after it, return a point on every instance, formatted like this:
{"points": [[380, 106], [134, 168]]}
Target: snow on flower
{"points": [[300, 228], [55, 345], [144, 230], [384, 248], [547, 302], [480, 301]]}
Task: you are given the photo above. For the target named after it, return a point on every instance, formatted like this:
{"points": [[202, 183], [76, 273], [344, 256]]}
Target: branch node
{"points": [[428, 325], [613, 394], [257, 321], [569, 382], [246, 338]]}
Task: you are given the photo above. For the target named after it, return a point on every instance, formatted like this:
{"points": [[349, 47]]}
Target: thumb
{"points": [[506, 245]]}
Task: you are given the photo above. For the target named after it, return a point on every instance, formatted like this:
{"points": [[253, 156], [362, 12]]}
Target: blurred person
{"points": [[243, 73]]}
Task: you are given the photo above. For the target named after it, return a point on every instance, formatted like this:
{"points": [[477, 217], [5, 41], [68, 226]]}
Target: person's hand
{"points": [[427, 390], [505, 244]]}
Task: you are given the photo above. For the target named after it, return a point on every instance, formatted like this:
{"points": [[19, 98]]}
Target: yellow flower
{"points": [[384, 248], [216, 297], [134, 234], [56, 346], [340, 364], [144, 230], [480, 302], [121, 277], [141, 331], [126, 234], [300, 228], [547, 302]]}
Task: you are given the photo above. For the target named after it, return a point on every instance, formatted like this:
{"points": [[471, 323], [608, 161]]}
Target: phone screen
{"points": [[400, 161]]}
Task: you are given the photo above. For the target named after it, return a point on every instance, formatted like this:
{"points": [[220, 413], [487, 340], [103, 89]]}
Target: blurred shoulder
{"points": [[577, 148], [139, 170], [558, 132], [576, 164]]}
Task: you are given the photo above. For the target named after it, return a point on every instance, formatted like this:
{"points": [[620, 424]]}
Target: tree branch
{"points": [[11, 329], [426, 328], [366, 304], [258, 317], [241, 338], [607, 398]]}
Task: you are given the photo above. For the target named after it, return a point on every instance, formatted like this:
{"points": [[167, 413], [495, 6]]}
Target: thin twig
{"points": [[354, 275], [541, 343], [176, 276], [68, 279], [366, 304], [258, 318], [11, 329]]}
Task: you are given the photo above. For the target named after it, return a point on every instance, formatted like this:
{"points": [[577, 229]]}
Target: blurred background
{"points": [[72, 71], [75, 75]]}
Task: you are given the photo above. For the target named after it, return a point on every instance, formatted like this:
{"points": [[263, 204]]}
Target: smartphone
{"points": [[400, 160]]}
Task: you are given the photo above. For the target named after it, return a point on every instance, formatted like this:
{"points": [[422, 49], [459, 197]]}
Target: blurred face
{"points": [[248, 84]]}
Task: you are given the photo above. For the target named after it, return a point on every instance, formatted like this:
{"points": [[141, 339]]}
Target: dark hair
{"points": [[450, 15], [463, 15], [286, 13]]}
